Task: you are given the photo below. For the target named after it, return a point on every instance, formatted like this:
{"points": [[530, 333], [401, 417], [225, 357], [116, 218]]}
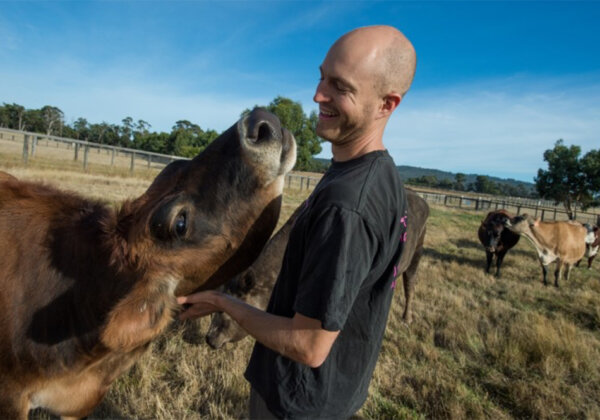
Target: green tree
{"points": [[445, 184], [188, 139], [303, 128], [33, 120], [4, 116], [126, 131], [53, 119], [459, 181], [81, 129], [569, 179], [485, 185], [16, 116], [153, 142]]}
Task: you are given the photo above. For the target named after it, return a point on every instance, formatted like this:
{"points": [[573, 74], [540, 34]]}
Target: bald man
{"points": [[319, 339]]}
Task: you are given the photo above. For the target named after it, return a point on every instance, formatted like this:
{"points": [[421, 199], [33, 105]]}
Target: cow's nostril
{"points": [[264, 132]]}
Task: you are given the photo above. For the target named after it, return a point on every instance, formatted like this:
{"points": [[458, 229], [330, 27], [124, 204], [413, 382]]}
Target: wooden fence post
{"points": [[112, 157], [85, 157], [149, 160], [26, 149], [76, 153], [301, 182], [543, 211], [34, 140]]}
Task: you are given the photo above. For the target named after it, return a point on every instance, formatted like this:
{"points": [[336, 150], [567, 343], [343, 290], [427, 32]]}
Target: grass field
{"points": [[479, 347]]}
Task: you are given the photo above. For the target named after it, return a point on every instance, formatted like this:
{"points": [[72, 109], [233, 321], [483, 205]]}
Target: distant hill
{"points": [[407, 172]]}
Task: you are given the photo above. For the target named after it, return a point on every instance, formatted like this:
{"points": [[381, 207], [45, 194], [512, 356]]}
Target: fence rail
{"points": [[82, 154], [486, 204], [106, 155]]}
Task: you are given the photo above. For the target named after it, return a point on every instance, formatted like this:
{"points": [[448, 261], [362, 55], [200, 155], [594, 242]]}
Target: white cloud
{"points": [[473, 129]]}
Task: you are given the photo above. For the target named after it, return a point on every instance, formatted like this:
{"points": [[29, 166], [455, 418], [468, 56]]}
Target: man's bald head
{"points": [[390, 55]]}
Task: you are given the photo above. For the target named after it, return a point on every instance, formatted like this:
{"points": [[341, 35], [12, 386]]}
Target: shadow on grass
{"points": [[460, 259], [582, 316]]}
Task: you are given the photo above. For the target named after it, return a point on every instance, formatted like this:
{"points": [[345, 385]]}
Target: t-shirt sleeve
{"points": [[340, 251]]}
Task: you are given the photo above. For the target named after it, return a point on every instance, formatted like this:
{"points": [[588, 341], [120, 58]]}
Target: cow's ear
{"points": [[536, 223]]}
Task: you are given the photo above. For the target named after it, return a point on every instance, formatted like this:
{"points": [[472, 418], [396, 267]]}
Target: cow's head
{"points": [[494, 225], [521, 224], [204, 220]]}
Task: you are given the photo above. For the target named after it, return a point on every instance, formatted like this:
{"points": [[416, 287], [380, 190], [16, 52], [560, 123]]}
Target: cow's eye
{"points": [[181, 224]]}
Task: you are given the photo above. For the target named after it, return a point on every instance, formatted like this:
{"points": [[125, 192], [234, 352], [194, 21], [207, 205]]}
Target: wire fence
{"points": [[535, 208], [93, 157]]}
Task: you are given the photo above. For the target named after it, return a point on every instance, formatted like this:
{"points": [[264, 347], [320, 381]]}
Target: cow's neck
{"points": [[540, 238]]}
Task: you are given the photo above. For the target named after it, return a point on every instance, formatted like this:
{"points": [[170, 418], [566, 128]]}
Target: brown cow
{"points": [[560, 241], [495, 238], [254, 285], [85, 287]]}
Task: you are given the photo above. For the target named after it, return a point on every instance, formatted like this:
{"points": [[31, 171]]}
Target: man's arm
{"points": [[300, 338]]}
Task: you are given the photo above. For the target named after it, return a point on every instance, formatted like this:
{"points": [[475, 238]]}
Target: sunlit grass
{"points": [[479, 347]]}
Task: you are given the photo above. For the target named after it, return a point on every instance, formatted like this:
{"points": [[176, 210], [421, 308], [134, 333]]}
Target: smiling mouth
{"points": [[326, 115]]}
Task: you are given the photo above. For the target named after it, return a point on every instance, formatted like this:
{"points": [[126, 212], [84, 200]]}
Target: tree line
{"points": [[570, 178], [482, 184], [185, 139]]}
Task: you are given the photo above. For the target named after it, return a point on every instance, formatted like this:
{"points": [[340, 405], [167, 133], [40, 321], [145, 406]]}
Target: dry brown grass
{"points": [[479, 347]]}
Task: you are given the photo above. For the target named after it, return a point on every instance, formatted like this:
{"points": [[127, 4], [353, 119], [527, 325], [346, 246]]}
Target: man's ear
{"points": [[390, 103]]}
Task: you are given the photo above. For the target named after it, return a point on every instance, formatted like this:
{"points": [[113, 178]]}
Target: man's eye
{"points": [[341, 88]]}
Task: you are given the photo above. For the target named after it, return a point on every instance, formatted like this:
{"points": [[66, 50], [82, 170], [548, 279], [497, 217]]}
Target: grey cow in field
{"points": [[254, 285]]}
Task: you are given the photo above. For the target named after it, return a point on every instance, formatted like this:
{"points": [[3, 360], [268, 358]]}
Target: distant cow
{"points": [[85, 287], [592, 244], [495, 238], [563, 242], [254, 286]]}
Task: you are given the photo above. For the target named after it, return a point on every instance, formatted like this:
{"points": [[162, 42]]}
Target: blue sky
{"points": [[497, 83]]}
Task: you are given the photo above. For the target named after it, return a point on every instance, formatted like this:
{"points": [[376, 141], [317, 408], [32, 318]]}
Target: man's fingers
{"points": [[195, 311], [185, 299]]}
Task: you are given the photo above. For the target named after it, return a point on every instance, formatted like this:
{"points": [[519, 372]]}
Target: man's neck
{"points": [[352, 150]]}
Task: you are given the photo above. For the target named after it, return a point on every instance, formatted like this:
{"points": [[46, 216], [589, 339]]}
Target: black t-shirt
{"points": [[339, 268]]}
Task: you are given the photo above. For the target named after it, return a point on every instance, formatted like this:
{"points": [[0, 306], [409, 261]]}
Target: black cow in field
{"points": [[496, 238], [84, 287]]}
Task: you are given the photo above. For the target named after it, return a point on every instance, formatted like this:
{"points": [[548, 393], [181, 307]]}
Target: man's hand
{"points": [[201, 304], [299, 338]]}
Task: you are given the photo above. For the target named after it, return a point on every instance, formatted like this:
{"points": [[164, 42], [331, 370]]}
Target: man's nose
{"points": [[320, 94]]}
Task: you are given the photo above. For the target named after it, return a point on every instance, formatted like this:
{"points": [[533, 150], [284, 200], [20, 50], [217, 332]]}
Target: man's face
{"points": [[346, 95]]}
